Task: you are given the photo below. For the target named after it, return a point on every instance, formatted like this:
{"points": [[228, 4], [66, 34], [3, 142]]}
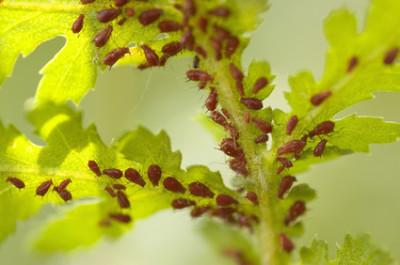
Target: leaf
{"points": [[317, 254], [259, 69]]}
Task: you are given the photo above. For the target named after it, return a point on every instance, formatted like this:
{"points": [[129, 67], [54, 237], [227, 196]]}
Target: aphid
{"points": [[123, 200], [239, 166], [188, 40], [134, 176], [65, 195], [108, 15], [102, 37], [353, 62], [78, 24], [169, 26], [260, 84], [163, 60], [286, 244], [154, 174], [122, 21], [84, 2], [285, 184], [203, 24], [172, 184], [236, 73], [285, 162], [390, 56], [232, 44], [201, 51], [262, 125], [172, 48], [220, 11], [297, 209], [122, 218], [198, 75], [294, 146], [116, 54], [291, 125], [230, 148], [263, 138], [151, 56], [200, 190], [63, 185], [212, 100], [110, 191], [182, 203], [196, 62], [221, 33], [217, 46], [252, 103], [189, 8], [225, 213], [43, 188], [225, 200], [120, 3], [252, 196], [320, 148], [94, 167], [199, 211], [323, 128], [320, 97], [18, 183], [118, 186], [149, 16], [217, 117], [130, 12], [226, 113], [113, 173]]}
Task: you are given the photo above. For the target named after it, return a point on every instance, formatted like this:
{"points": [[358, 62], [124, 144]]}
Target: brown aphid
{"points": [[172, 48], [199, 211], [78, 24], [110, 191], [391, 56], [252, 103], [262, 125], [103, 36], [203, 24], [294, 146], [94, 167], [198, 75], [320, 148], [119, 217], [113, 173], [169, 26], [173, 185], [296, 210], [239, 165], [286, 244], [352, 64], [188, 40], [123, 200], [263, 138], [43, 188], [320, 97], [285, 162], [225, 200], [119, 186], [230, 148], [285, 185], [18, 183], [217, 46], [232, 43], [149, 16], [182, 203], [120, 3], [63, 185], [236, 73], [322, 128], [259, 84], [130, 12], [121, 21], [220, 11], [225, 213], [291, 125], [252, 196], [154, 174], [116, 54], [151, 56], [212, 100], [218, 118], [65, 195], [134, 176], [108, 15], [85, 2], [200, 190]]}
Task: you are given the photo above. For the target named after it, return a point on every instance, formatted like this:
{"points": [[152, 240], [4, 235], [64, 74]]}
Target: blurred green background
{"points": [[359, 193]]}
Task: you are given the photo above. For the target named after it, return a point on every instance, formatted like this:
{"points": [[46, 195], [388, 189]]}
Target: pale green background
{"points": [[359, 193]]}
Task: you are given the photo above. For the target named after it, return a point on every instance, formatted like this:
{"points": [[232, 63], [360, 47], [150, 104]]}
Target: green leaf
{"points": [[258, 69], [317, 254]]}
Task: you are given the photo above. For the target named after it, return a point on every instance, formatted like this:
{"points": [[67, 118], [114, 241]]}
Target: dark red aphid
{"points": [[43, 188], [200, 190], [154, 174], [320, 148], [285, 162], [172, 48], [116, 54], [323, 128], [232, 43], [220, 11], [120, 3], [113, 173], [286, 244], [84, 2], [225, 213], [353, 62], [182, 203], [199, 211], [123, 200], [291, 125], [130, 12], [212, 100], [262, 125], [217, 46], [108, 15], [151, 56], [149, 16], [232, 131], [122, 21], [18, 183], [320, 97], [203, 24], [63, 185], [285, 185], [238, 164], [122, 218], [263, 138], [118, 186], [94, 167], [260, 84], [198, 75], [391, 56], [236, 73], [188, 40], [110, 191], [230, 148], [172, 184], [65, 195], [134, 176], [252, 103], [169, 26], [297, 209], [78, 24], [102, 37], [225, 200], [294, 146], [252, 196], [217, 117]]}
